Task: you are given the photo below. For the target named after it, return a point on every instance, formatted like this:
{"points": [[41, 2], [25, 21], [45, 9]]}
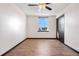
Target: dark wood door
{"points": [[60, 28]]}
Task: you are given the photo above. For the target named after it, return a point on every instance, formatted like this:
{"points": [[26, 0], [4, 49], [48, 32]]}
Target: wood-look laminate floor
{"points": [[41, 47]]}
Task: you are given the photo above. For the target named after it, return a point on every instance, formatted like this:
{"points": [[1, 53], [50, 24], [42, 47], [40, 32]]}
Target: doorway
{"points": [[60, 28]]}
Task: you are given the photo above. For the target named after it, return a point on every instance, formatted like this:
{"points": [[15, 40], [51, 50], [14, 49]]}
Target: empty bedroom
{"points": [[39, 29]]}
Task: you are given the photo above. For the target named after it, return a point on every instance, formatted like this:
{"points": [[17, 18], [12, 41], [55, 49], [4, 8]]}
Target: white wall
{"points": [[33, 27], [12, 26], [72, 25]]}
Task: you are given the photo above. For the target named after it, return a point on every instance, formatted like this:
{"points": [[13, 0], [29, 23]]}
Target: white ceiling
{"points": [[34, 10]]}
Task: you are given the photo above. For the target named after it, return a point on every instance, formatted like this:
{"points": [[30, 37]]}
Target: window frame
{"points": [[47, 30]]}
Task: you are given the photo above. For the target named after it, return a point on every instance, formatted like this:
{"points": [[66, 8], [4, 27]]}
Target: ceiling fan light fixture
{"points": [[42, 6]]}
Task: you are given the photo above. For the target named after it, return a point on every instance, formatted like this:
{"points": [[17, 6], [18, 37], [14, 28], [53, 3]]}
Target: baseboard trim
{"points": [[13, 47], [41, 38], [23, 41], [69, 47], [72, 48], [37, 38]]}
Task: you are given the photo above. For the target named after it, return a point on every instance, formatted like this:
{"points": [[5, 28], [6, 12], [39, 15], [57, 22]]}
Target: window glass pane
{"points": [[43, 24]]}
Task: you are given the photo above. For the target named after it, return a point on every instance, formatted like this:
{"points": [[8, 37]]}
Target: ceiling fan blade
{"points": [[47, 3], [48, 8], [32, 5]]}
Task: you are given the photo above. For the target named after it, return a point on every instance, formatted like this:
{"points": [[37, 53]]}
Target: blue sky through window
{"points": [[43, 22]]}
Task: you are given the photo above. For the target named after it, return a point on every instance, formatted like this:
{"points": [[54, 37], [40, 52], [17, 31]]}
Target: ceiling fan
{"points": [[41, 5]]}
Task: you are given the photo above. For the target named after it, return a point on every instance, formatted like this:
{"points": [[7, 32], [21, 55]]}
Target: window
{"points": [[43, 24]]}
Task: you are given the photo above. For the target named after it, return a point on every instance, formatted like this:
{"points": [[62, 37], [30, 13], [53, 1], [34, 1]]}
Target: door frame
{"points": [[57, 26]]}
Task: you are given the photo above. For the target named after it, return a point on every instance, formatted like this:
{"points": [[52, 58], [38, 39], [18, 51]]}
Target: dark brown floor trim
{"points": [[23, 41], [13, 48], [37, 38], [69, 47], [41, 38], [72, 49]]}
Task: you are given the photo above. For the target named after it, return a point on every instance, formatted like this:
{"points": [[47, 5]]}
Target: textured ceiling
{"points": [[34, 10]]}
